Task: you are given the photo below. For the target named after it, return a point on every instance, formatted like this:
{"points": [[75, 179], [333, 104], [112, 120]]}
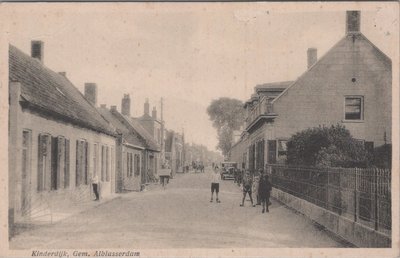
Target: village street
{"points": [[181, 216]]}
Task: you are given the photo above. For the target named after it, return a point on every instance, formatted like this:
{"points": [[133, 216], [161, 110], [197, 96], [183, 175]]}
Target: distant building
{"points": [[155, 128], [174, 151], [350, 85], [134, 146], [57, 138]]}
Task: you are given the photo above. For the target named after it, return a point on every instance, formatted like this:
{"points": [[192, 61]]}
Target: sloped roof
{"points": [[53, 94], [342, 51], [127, 134], [135, 124], [273, 86]]}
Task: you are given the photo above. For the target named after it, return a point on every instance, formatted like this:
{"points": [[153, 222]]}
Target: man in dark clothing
{"points": [[264, 190], [247, 187]]}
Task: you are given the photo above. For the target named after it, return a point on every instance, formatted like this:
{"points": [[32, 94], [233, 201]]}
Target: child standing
{"points": [[215, 179]]}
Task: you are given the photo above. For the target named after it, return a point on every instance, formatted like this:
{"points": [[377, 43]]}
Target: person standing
{"points": [[264, 191], [256, 184], [215, 179], [247, 187], [96, 185]]}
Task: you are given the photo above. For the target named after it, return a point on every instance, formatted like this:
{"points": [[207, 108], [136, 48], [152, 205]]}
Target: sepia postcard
{"points": [[199, 129]]}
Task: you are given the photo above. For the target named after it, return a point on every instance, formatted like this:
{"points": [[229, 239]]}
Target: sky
{"points": [[187, 53]]}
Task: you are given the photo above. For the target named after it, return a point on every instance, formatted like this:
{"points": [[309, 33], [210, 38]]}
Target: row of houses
{"points": [[60, 138], [350, 85]]}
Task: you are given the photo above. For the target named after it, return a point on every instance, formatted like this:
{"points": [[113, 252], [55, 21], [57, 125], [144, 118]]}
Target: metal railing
{"points": [[363, 195], [262, 108]]}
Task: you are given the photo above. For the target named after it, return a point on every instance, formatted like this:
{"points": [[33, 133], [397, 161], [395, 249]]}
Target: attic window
{"points": [[60, 91]]}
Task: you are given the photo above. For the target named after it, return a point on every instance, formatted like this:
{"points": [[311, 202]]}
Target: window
{"points": [[66, 169], [354, 108], [58, 162], [108, 164], [43, 175], [129, 164], [282, 147], [137, 164], [95, 158], [103, 163], [81, 162]]}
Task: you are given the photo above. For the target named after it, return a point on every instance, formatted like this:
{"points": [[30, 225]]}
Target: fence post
{"points": [[376, 198], [327, 189], [355, 194]]}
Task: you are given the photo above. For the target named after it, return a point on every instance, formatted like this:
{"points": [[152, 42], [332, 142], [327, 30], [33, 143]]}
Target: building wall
{"points": [[317, 98], [132, 172], [35, 124]]}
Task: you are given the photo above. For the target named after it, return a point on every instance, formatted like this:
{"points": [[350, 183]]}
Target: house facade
{"points": [[350, 85], [174, 151], [155, 129], [57, 138]]}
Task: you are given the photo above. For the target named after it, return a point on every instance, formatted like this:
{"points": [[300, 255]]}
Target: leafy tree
{"points": [[227, 115], [326, 146]]}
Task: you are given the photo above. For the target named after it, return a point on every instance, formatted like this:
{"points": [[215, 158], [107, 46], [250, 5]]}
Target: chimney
{"points": [[146, 107], [113, 108], [91, 92], [37, 49], [63, 74], [126, 105], [353, 22], [311, 57], [154, 113]]}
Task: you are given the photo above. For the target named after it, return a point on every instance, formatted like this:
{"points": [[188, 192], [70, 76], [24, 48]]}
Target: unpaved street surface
{"points": [[181, 216]]}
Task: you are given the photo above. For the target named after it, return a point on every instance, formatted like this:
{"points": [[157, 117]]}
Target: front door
{"points": [[271, 151], [26, 173]]}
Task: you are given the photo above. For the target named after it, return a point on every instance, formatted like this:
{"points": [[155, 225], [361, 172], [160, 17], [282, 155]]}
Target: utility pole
{"points": [[162, 133]]}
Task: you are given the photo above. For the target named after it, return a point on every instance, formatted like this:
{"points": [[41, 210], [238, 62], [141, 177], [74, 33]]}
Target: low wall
{"points": [[355, 233]]}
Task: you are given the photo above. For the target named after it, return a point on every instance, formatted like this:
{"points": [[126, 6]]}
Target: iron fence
{"points": [[363, 195]]}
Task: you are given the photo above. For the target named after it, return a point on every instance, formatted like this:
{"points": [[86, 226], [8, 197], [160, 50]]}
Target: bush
{"points": [[326, 146], [383, 156]]}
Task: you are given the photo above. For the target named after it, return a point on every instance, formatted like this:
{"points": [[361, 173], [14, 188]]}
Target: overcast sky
{"points": [[187, 53]]}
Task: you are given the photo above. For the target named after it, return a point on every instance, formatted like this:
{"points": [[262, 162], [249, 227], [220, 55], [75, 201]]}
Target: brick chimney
{"points": [[147, 107], [311, 57], [37, 49], [154, 113], [113, 108], [353, 22], [126, 105], [91, 92]]}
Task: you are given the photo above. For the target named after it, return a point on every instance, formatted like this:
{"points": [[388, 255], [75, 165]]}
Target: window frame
{"points": [[362, 99]]}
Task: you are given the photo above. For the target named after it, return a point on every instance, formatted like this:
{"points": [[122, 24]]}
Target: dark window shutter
{"points": [[272, 151], [66, 168]]}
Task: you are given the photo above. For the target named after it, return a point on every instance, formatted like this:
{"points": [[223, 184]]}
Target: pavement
{"points": [[179, 216]]}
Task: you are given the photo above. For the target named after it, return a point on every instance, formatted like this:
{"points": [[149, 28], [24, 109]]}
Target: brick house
{"points": [[57, 138], [350, 85], [135, 146], [155, 128]]}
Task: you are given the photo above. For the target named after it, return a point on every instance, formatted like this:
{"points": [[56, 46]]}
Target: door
{"points": [[271, 151], [26, 173]]}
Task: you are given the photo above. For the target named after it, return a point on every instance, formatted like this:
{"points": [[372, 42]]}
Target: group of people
{"points": [[260, 183]]}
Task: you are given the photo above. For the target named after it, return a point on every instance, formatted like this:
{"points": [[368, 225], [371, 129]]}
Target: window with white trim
{"points": [[354, 108]]}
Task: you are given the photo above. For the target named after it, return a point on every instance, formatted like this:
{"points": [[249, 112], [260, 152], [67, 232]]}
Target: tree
{"points": [[227, 116], [326, 146]]}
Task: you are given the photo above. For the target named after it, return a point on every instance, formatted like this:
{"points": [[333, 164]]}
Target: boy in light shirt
{"points": [[215, 179]]}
